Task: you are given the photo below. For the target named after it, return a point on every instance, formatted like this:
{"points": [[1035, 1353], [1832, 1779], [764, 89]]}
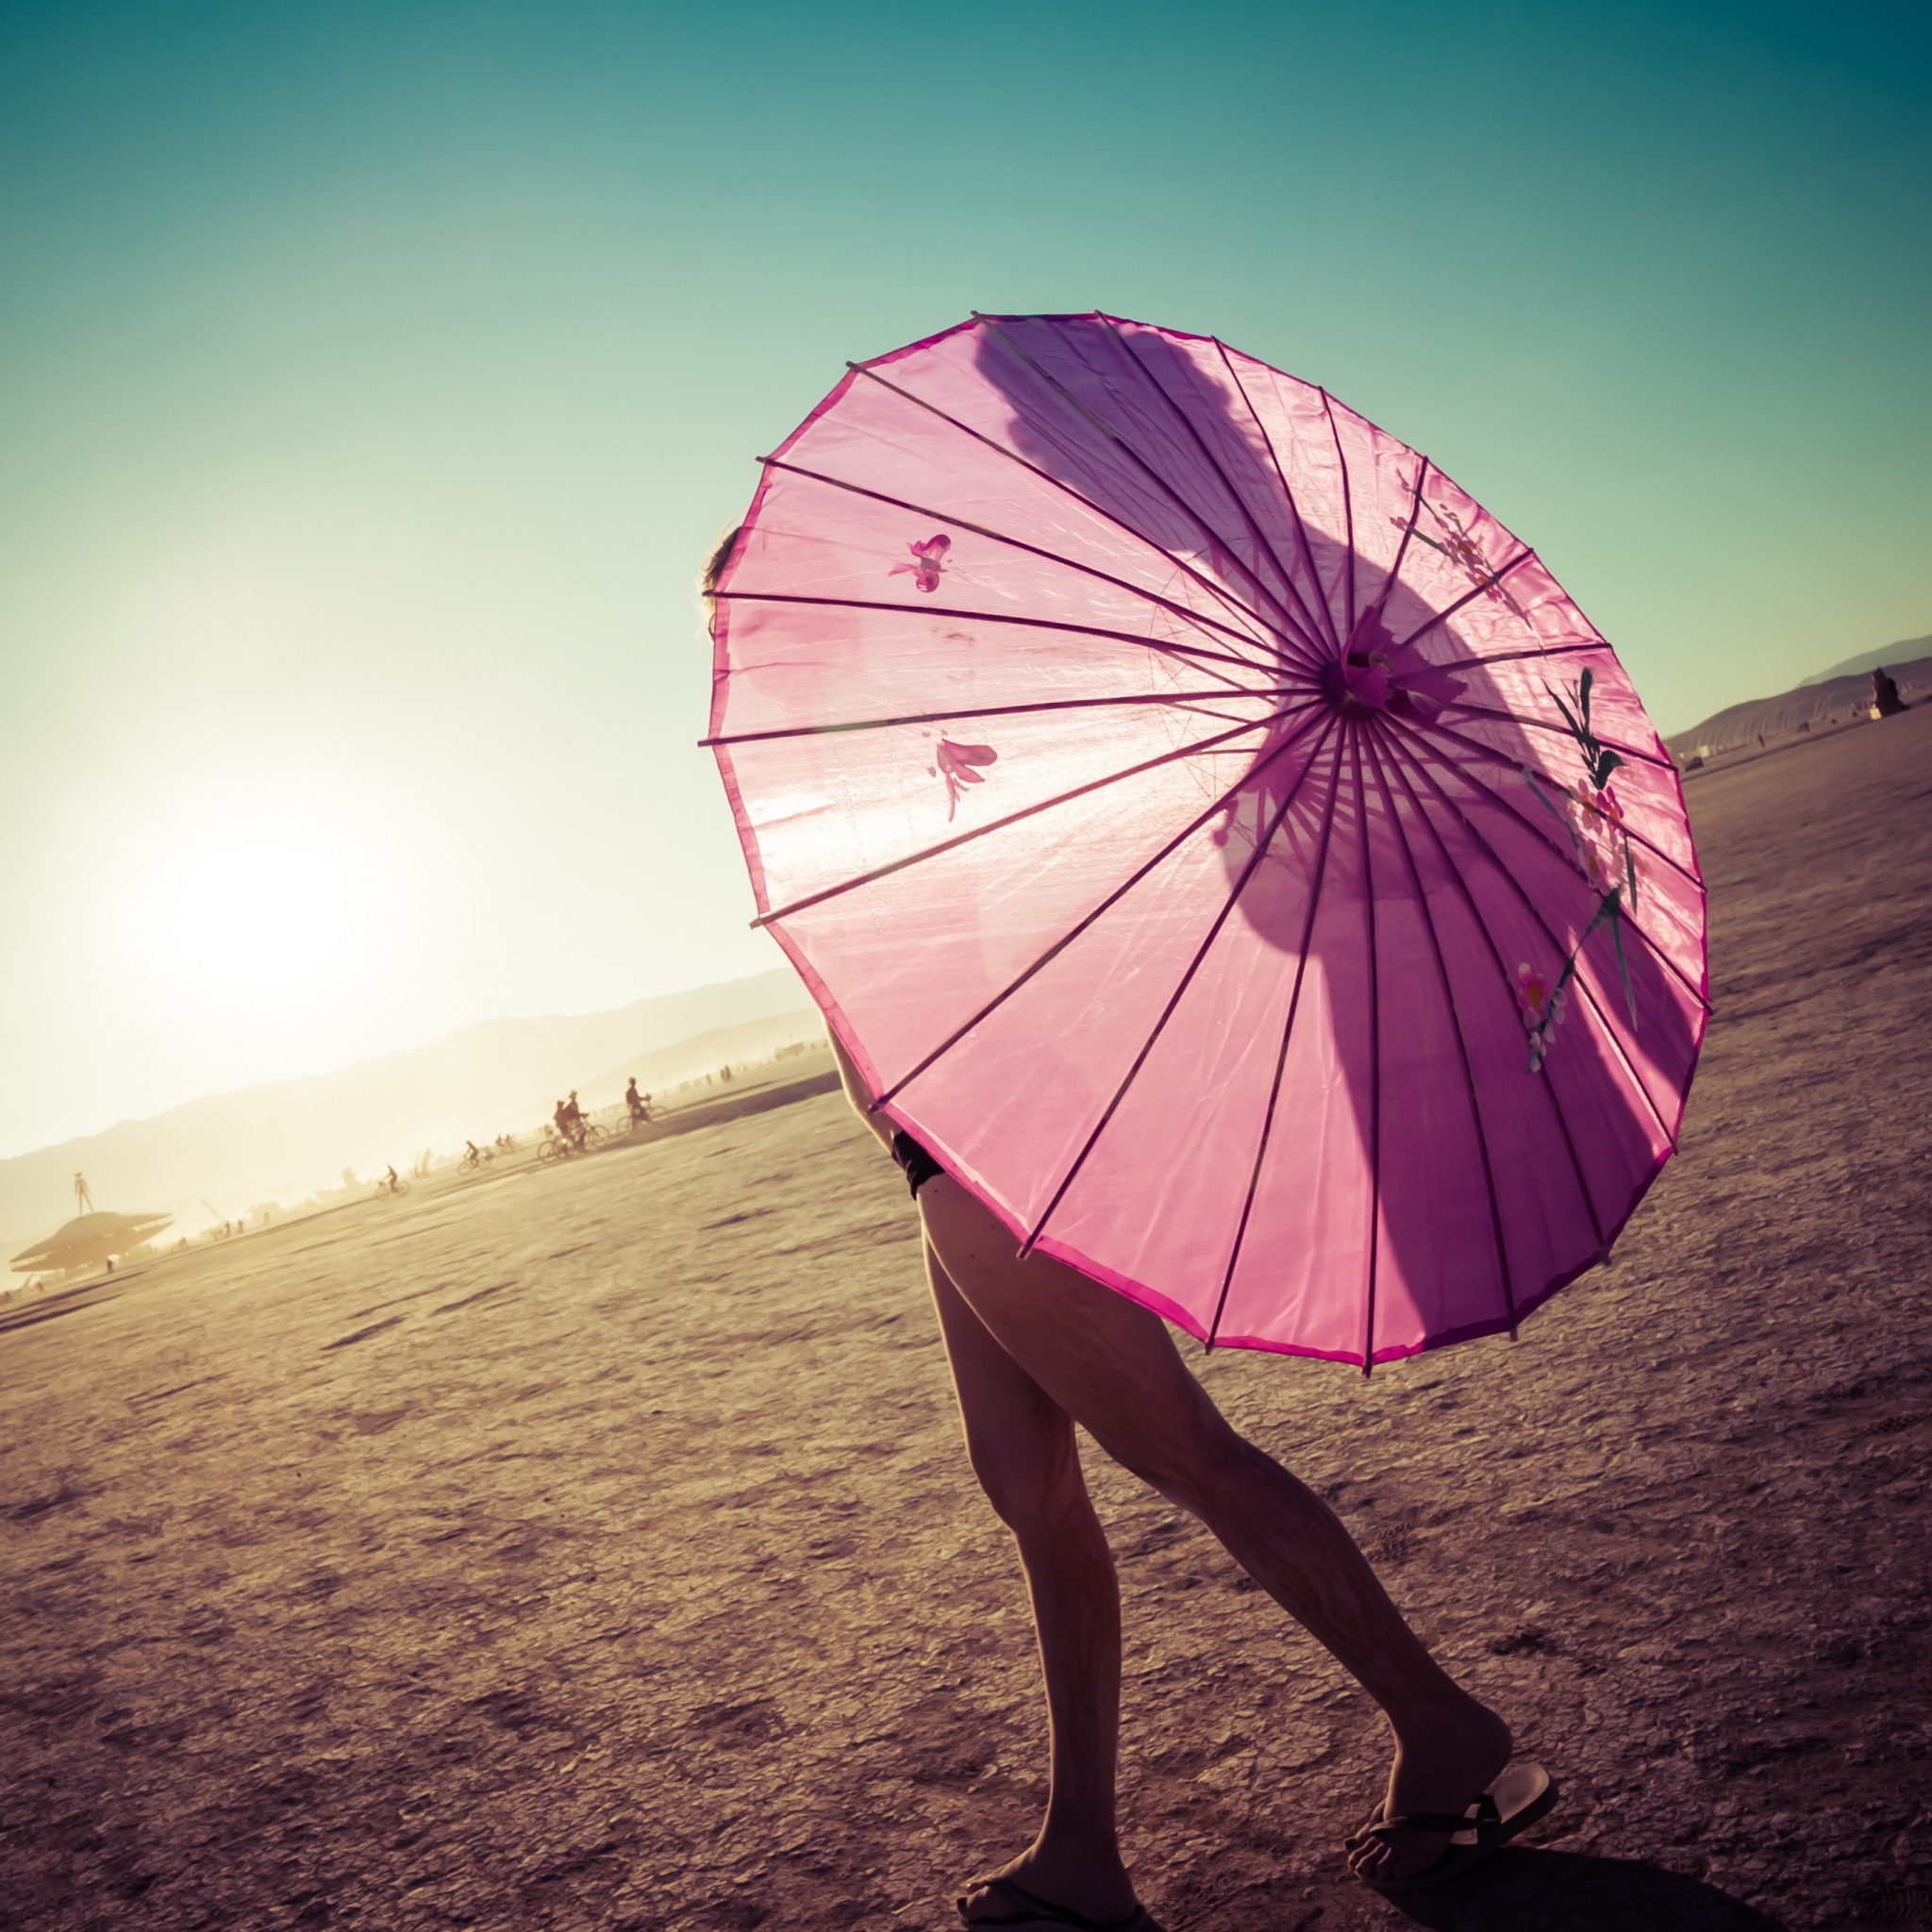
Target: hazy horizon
{"points": [[400, 1049], [375, 381]]}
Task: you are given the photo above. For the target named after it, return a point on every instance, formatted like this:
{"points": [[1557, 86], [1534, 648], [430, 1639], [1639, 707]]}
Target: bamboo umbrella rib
{"points": [[1281, 1056], [1347, 507], [1361, 809], [1186, 979], [1482, 589], [1482, 925], [1534, 651], [1240, 501], [1482, 1137], [1188, 701], [1544, 837], [1415, 511], [1164, 647], [1301, 529], [923, 509], [1153, 475], [1610, 1032], [1113, 898], [1625, 751], [1207, 582], [881, 871]]}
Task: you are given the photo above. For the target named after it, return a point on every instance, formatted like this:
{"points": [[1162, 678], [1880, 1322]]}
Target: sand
{"points": [[591, 1546]]}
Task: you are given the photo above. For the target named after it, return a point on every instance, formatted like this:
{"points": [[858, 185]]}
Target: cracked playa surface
{"points": [[592, 1547]]}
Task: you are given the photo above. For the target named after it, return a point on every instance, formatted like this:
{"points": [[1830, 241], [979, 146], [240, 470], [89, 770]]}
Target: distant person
{"points": [[560, 1118], [636, 1104], [573, 1120]]}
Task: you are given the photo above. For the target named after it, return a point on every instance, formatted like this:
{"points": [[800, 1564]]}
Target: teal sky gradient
{"points": [[372, 381]]}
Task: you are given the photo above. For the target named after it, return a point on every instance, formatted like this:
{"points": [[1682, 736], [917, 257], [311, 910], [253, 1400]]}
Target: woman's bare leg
{"points": [[1100, 1360], [1022, 1446], [1113, 1368]]}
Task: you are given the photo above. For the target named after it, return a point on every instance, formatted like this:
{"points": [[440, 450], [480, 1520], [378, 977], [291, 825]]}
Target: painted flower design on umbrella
{"points": [[1597, 835], [1541, 1001], [1589, 814], [1459, 547], [929, 560], [955, 763]]}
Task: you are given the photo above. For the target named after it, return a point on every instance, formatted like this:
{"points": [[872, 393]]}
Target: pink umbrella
{"points": [[1211, 833]]}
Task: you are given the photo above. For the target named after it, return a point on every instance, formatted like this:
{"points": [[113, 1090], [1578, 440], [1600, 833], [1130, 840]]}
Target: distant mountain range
{"points": [[1890, 657], [283, 1140], [1832, 697]]}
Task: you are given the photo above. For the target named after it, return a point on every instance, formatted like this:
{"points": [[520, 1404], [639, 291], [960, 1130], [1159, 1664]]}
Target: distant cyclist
{"points": [[574, 1122], [636, 1104]]}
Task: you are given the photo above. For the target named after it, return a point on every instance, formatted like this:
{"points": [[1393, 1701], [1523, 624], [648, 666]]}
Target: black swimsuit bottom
{"points": [[918, 1164]]}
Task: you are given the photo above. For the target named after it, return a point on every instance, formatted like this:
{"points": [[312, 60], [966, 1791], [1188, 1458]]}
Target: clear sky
{"points": [[373, 379]]}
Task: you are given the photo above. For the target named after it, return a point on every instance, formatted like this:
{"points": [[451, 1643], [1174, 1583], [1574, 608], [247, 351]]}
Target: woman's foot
{"points": [[1444, 1760], [1093, 1883]]}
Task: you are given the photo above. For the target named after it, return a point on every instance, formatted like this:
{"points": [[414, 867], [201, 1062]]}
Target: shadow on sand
{"points": [[1524, 1890]]}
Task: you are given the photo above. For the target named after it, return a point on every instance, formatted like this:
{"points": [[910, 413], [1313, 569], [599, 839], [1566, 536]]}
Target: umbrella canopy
{"points": [[1211, 833]]}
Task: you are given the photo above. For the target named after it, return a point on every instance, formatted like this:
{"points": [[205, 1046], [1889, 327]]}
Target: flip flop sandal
{"points": [[1030, 1914], [1523, 1794]]}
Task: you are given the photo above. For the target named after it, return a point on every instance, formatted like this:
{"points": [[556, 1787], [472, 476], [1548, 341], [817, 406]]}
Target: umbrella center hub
{"points": [[1361, 681], [1374, 676]]}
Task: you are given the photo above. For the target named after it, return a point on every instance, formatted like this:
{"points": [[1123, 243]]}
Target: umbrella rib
{"points": [[1536, 913], [1482, 589], [1482, 1135], [1179, 700], [1301, 967], [1623, 751], [1455, 872], [1239, 502], [1186, 979], [1347, 504], [1301, 529], [1415, 511], [1154, 476], [881, 871], [1160, 647], [1112, 899], [1207, 582], [1361, 809], [1495, 757], [1152, 598], [1535, 651]]}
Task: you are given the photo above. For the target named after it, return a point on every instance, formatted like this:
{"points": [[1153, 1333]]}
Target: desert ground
{"points": [[591, 1547]]}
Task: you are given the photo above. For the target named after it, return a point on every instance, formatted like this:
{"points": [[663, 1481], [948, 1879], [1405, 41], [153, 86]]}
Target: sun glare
{"points": [[263, 906]]}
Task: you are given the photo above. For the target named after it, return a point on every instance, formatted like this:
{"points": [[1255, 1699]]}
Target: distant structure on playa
{"points": [[89, 1241], [1886, 702]]}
